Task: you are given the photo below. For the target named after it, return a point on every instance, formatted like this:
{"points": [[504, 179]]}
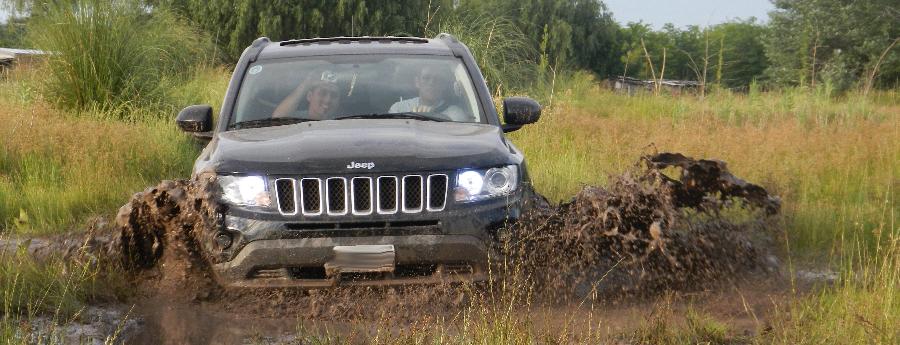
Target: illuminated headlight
{"points": [[474, 185], [245, 190]]}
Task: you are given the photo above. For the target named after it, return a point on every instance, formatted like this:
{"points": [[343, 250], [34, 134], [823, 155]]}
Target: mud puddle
{"points": [[746, 307], [671, 230]]}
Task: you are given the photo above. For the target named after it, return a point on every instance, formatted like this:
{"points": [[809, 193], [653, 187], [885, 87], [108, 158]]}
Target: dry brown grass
{"points": [[835, 169]]}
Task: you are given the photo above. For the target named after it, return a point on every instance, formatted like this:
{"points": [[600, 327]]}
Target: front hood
{"points": [[328, 147]]}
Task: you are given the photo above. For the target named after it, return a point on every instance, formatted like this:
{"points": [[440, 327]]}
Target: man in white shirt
{"points": [[433, 83]]}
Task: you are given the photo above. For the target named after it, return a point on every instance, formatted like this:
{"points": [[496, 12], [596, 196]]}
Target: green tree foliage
{"points": [[731, 54], [834, 41], [743, 54], [12, 34], [236, 23], [580, 34]]}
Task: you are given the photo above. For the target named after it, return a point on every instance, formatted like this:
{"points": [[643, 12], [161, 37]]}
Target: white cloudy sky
{"points": [[687, 12]]}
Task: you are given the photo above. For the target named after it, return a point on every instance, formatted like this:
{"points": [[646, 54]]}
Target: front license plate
{"points": [[362, 259]]}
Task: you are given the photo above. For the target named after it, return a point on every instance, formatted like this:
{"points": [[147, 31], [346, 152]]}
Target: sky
{"points": [[687, 12]]}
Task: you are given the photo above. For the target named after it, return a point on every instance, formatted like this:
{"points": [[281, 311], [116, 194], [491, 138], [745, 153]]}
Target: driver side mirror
{"points": [[519, 111], [195, 119]]}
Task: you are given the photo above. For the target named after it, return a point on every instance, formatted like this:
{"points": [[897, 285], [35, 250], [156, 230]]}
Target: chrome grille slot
{"points": [[361, 195], [311, 196], [412, 193], [387, 194], [437, 192], [336, 196], [284, 194]]}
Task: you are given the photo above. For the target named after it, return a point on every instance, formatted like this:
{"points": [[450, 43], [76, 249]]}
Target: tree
{"points": [[236, 23], [577, 33], [743, 54], [12, 34], [832, 41]]}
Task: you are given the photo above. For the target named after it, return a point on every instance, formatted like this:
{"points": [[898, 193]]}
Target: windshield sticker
{"points": [[255, 69]]}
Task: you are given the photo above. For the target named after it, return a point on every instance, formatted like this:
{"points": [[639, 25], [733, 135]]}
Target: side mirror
{"points": [[519, 111], [195, 119]]}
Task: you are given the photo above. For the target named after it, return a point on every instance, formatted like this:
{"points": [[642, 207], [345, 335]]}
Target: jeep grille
{"points": [[361, 195]]}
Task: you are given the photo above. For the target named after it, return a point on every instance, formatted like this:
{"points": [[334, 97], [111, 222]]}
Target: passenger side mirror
{"points": [[519, 111], [195, 119]]}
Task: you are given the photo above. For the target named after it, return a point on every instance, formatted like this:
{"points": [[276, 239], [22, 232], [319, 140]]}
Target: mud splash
{"points": [[646, 232], [162, 236]]}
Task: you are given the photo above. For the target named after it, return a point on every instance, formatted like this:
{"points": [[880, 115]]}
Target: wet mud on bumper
{"points": [[301, 262]]}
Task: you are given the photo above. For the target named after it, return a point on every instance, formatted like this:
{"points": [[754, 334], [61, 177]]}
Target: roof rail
{"points": [[446, 36], [355, 39], [257, 46]]}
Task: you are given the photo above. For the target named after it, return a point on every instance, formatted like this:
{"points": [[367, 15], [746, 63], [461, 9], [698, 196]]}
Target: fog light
{"points": [[223, 240]]}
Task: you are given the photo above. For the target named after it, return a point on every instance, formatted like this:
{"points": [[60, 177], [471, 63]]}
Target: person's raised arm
{"points": [[290, 103]]}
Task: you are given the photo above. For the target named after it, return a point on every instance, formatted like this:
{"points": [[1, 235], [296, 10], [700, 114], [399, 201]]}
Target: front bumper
{"points": [[446, 246], [437, 257]]}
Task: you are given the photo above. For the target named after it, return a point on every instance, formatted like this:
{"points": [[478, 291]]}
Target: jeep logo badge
{"points": [[357, 165]]}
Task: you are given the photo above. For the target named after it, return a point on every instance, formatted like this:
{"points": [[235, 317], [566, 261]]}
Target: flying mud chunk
{"points": [[644, 232], [168, 232], [703, 179]]}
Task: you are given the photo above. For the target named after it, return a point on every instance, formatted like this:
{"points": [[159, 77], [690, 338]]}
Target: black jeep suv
{"points": [[359, 160]]}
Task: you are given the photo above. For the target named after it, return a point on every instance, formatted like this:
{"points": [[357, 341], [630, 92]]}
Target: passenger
{"points": [[323, 96], [434, 85]]}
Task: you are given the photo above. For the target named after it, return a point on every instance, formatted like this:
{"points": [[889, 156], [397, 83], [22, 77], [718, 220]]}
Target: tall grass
{"points": [[55, 290], [864, 306], [110, 55], [501, 50], [834, 162], [59, 168]]}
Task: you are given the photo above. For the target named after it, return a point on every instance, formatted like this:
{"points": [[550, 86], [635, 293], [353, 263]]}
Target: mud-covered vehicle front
{"points": [[359, 161]]}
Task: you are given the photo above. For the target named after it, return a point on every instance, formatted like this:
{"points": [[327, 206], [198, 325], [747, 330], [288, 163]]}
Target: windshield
{"points": [[346, 87]]}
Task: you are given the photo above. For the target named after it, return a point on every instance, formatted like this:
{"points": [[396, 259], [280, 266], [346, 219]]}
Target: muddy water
{"points": [[168, 323], [746, 306]]}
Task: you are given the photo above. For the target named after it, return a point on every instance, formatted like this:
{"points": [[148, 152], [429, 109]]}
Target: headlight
{"points": [[245, 190], [474, 185]]}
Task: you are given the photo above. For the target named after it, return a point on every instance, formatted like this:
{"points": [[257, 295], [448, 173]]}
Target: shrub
{"points": [[106, 55]]}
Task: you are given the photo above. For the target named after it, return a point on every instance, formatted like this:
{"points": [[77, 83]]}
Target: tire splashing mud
{"points": [[163, 235]]}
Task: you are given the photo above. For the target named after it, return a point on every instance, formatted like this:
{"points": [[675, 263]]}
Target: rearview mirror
{"points": [[195, 118], [519, 111]]}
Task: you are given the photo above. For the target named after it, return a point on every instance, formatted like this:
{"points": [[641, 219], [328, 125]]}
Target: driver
{"points": [[433, 84], [323, 96]]}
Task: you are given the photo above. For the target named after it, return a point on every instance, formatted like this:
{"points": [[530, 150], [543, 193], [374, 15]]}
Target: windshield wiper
{"points": [[275, 121], [404, 115]]}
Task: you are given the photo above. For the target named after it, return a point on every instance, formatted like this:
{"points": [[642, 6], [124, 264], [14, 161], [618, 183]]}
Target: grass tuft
{"points": [[111, 56]]}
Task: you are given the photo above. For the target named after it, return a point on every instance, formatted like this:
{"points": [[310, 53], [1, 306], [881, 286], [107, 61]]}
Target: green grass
{"points": [[55, 289], [60, 168]]}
